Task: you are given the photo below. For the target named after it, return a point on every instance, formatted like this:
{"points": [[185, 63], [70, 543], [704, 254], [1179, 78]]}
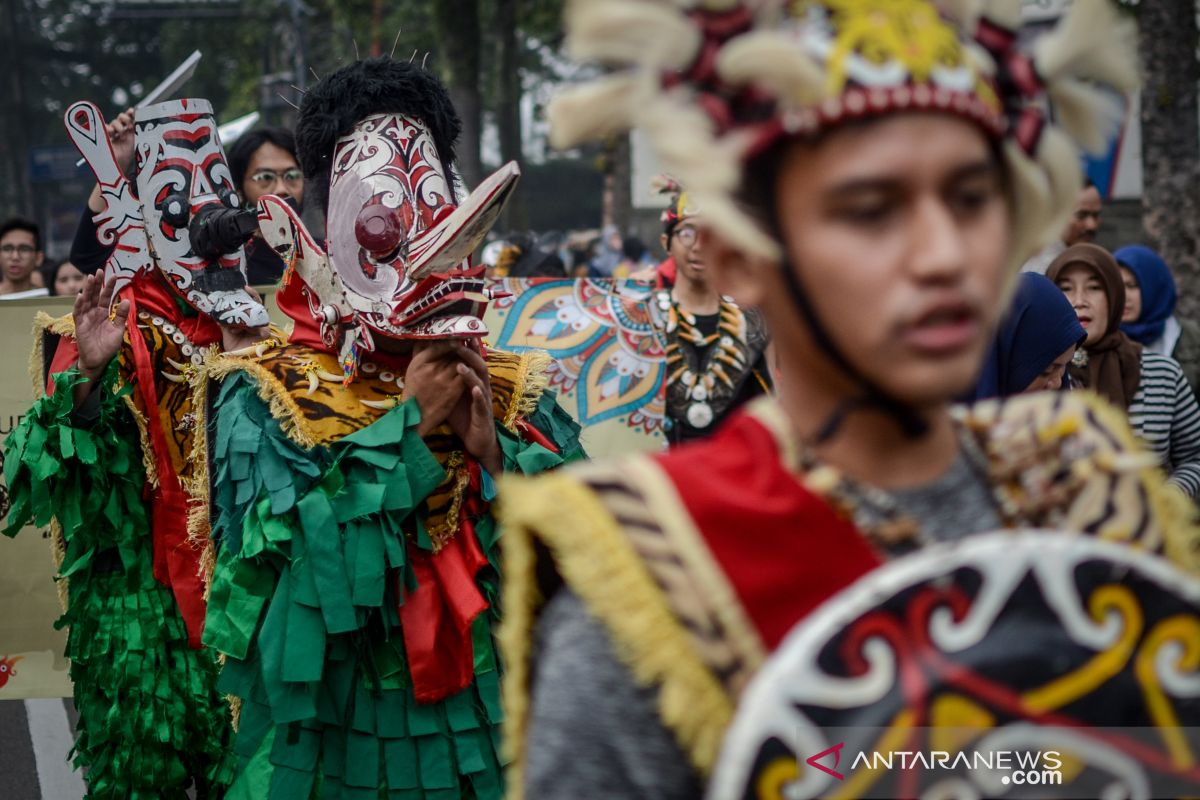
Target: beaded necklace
{"points": [[876, 512], [722, 361]]}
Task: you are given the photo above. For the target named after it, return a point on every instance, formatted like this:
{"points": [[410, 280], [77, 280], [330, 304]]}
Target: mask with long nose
{"points": [[398, 241], [398, 260], [182, 178], [183, 175]]}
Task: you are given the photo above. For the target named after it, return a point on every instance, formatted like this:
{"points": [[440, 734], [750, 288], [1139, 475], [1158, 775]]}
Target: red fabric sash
{"points": [[784, 549], [292, 299], [66, 354], [176, 560], [436, 618]]}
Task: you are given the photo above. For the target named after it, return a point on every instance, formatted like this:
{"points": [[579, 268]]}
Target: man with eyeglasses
{"points": [[263, 161], [716, 350], [20, 256]]}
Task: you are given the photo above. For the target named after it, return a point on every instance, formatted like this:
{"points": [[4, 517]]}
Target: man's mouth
{"points": [[943, 329]]}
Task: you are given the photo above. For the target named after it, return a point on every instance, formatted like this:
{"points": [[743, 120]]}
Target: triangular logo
{"points": [[836, 750]]}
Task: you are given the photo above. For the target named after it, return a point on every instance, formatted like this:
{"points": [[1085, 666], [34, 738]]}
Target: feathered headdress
{"points": [[680, 204], [714, 82]]}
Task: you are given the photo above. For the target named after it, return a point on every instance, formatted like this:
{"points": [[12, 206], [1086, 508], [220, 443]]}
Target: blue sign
{"points": [[54, 163]]}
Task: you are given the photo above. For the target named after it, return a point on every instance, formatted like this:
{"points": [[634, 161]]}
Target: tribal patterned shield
{"points": [[1034, 664]]}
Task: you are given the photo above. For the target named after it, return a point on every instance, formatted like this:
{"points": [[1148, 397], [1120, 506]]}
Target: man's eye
{"points": [[867, 215], [970, 200]]}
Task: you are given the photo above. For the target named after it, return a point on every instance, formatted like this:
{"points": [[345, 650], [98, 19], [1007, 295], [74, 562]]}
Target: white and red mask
{"points": [[398, 258], [181, 168]]}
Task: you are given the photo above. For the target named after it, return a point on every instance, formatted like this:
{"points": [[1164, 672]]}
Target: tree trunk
{"points": [[19, 190], [1171, 141], [618, 203], [457, 28], [508, 103]]}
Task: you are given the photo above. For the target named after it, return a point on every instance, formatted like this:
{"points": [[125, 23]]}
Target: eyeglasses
{"points": [[686, 234], [266, 177], [19, 249]]}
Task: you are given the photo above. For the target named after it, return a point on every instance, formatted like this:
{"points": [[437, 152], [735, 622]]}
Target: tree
{"points": [[458, 35], [1171, 140], [508, 101]]}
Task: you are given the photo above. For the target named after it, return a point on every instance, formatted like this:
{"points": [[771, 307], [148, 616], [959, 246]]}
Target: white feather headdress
{"points": [[712, 82]]}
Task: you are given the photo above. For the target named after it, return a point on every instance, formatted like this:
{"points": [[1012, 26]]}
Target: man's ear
{"points": [[38, 259], [744, 277]]}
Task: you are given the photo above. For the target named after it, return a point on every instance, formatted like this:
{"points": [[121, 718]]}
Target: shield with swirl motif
{"points": [[1031, 664]]}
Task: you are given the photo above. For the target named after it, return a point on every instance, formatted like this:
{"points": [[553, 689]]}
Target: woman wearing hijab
{"points": [[1150, 387], [1149, 316], [1034, 344]]}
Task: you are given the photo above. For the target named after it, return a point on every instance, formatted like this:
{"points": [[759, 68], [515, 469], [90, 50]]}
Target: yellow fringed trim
{"points": [[199, 526], [601, 567], [1173, 510], [43, 322], [199, 534], [235, 709], [58, 551], [532, 378], [144, 437], [279, 402], [440, 535]]}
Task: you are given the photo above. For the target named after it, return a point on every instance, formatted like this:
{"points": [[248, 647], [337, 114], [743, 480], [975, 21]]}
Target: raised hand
{"points": [[472, 418], [97, 335], [120, 136], [432, 380]]}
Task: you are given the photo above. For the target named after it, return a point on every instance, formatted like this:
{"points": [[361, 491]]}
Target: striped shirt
{"points": [[1164, 413]]}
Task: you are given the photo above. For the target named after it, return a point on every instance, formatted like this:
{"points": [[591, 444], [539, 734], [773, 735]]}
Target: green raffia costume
{"points": [[356, 584], [150, 719], [331, 515]]}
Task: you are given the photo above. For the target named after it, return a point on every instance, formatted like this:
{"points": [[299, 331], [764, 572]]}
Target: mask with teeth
{"points": [[181, 174], [397, 262]]}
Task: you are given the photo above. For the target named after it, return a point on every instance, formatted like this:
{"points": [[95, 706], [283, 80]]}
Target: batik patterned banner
{"points": [[608, 348]]}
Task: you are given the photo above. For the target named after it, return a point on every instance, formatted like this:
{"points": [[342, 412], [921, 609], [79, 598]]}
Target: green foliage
{"points": [[55, 52]]}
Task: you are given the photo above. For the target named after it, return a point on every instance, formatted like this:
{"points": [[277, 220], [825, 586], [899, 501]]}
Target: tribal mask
{"points": [[181, 170], [398, 260]]}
